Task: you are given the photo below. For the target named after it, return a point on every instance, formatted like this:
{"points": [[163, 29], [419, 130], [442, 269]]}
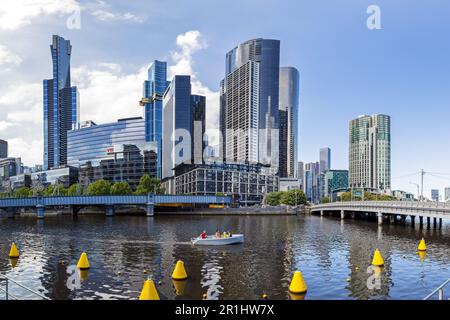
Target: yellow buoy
{"points": [[377, 259], [14, 252], [296, 296], [298, 284], [179, 286], [422, 255], [83, 262], [422, 246], [13, 262], [264, 296], [149, 291], [84, 273], [179, 273]]}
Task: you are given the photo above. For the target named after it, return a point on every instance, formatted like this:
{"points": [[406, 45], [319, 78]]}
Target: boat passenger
{"points": [[217, 233], [224, 235], [203, 235], [229, 234]]}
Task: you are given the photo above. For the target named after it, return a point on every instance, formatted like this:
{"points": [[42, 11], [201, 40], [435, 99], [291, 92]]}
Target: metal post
{"points": [[6, 289], [441, 294]]}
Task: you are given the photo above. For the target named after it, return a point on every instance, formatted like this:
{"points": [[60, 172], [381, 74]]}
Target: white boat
{"points": [[213, 241]]}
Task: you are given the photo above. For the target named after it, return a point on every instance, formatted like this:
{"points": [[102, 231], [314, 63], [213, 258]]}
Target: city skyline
{"points": [[105, 68]]}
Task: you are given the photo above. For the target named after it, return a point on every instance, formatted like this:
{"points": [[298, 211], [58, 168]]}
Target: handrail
{"points": [[439, 290], [20, 285]]}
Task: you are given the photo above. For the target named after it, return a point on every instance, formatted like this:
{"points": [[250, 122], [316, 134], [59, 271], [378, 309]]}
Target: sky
{"points": [[346, 69]]}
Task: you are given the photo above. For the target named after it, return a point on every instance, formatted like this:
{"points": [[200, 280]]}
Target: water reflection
{"points": [[333, 255]]}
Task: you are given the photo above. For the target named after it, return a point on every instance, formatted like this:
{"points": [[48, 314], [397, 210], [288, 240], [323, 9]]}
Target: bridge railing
{"points": [[7, 288], [439, 290], [392, 204]]}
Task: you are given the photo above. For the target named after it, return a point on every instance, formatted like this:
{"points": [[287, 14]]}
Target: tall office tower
{"points": [[370, 152], [288, 118], [198, 105], [3, 149], [180, 110], [61, 105], [325, 159], [153, 92], [311, 182], [249, 103]]}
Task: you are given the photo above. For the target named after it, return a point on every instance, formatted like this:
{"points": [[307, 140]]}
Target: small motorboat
{"points": [[213, 241]]}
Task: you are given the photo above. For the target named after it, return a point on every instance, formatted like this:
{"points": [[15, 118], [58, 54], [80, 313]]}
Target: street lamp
{"points": [[417, 185]]}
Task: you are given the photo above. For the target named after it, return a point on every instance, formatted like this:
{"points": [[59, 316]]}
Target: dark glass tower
{"points": [[265, 56], [61, 105], [153, 92]]}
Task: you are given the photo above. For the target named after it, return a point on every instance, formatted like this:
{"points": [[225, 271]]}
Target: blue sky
{"points": [[346, 69]]}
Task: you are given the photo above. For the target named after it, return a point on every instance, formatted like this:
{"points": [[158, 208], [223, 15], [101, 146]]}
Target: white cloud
{"points": [[18, 13], [8, 59], [104, 15]]}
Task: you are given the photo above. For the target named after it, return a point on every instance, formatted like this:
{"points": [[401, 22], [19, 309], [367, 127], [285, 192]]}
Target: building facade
{"points": [[249, 100], [370, 152], [286, 184], [153, 91], [9, 167], [435, 195], [114, 151], [335, 181], [447, 194], [288, 120], [325, 159], [249, 183], [3, 149], [61, 105], [311, 182]]}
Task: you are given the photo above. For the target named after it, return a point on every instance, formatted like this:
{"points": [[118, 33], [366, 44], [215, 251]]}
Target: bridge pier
{"points": [[413, 218], [380, 218], [420, 222], [434, 223], [440, 223], [342, 214], [40, 211], [321, 213], [151, 209], [428, 222], [11, 212], [109, 211]]}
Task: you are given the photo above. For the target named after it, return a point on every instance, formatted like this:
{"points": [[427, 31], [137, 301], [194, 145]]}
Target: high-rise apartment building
{"points": [[370, 152], [153, 91], [288, 120], [61, 105], [249, 100], [3, 149], [311, 183]]}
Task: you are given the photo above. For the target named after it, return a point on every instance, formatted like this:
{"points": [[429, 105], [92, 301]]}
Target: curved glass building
{"points": [[113, 151]]}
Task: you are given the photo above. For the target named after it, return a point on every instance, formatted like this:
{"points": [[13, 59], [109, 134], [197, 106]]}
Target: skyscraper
{"points": [[61, 105], [311, 185], [325, 159], [153, 91], [447, 194], [288, 119], [435, 195], [370, 152], [249, 103], [3, 149]]}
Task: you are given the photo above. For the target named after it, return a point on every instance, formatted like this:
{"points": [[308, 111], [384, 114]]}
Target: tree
{"points": [[149, 184], [54, 190], [293, 197], [23, 192], [99, 188], [75, 190], [325, 200], [346, 196], [121, 188], [273, 198]]}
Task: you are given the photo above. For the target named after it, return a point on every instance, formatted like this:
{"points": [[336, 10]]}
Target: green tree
{"points": [[273, 198], [121, 188], [346, 196], [149, 184], [325, 200], [293, 197], [54, 190], [99, 188], [75, 190], [23, 192]]}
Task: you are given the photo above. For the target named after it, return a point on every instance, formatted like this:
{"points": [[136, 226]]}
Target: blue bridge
{"points": [[147, 202]]}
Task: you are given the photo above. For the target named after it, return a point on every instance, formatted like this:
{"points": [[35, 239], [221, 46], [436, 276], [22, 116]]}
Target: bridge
{"points": [[389, 211], [76, 203]]}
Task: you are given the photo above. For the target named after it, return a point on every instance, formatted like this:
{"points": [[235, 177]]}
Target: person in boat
{"points": [[203, 235], [229, 234], [217, 233], [225, 235]]}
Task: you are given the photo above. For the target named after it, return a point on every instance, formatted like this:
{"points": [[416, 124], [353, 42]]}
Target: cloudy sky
{"points": [[346, 69]]}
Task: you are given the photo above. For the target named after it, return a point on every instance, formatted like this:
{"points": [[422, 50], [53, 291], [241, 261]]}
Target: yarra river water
{"points": [[124, 250]]}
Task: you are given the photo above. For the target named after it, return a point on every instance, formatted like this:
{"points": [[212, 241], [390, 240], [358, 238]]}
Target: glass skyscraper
{"points": [[370, 152], [325, 159], [288, 118], [61, 105], [153, 91], [249, 102], [3, 149]]}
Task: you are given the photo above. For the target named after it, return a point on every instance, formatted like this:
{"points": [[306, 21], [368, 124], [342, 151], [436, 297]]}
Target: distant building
{"points": [[288, 118], [286, 184], [335, 181], [249, 183], [447, 194], [301, 172], [403, 195], [311, 182], [153, 92], [9, 167], [113, 151], [325, 159], [61, 105], [65, 176], [370, 153], [435, 195], [3, 149]]}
